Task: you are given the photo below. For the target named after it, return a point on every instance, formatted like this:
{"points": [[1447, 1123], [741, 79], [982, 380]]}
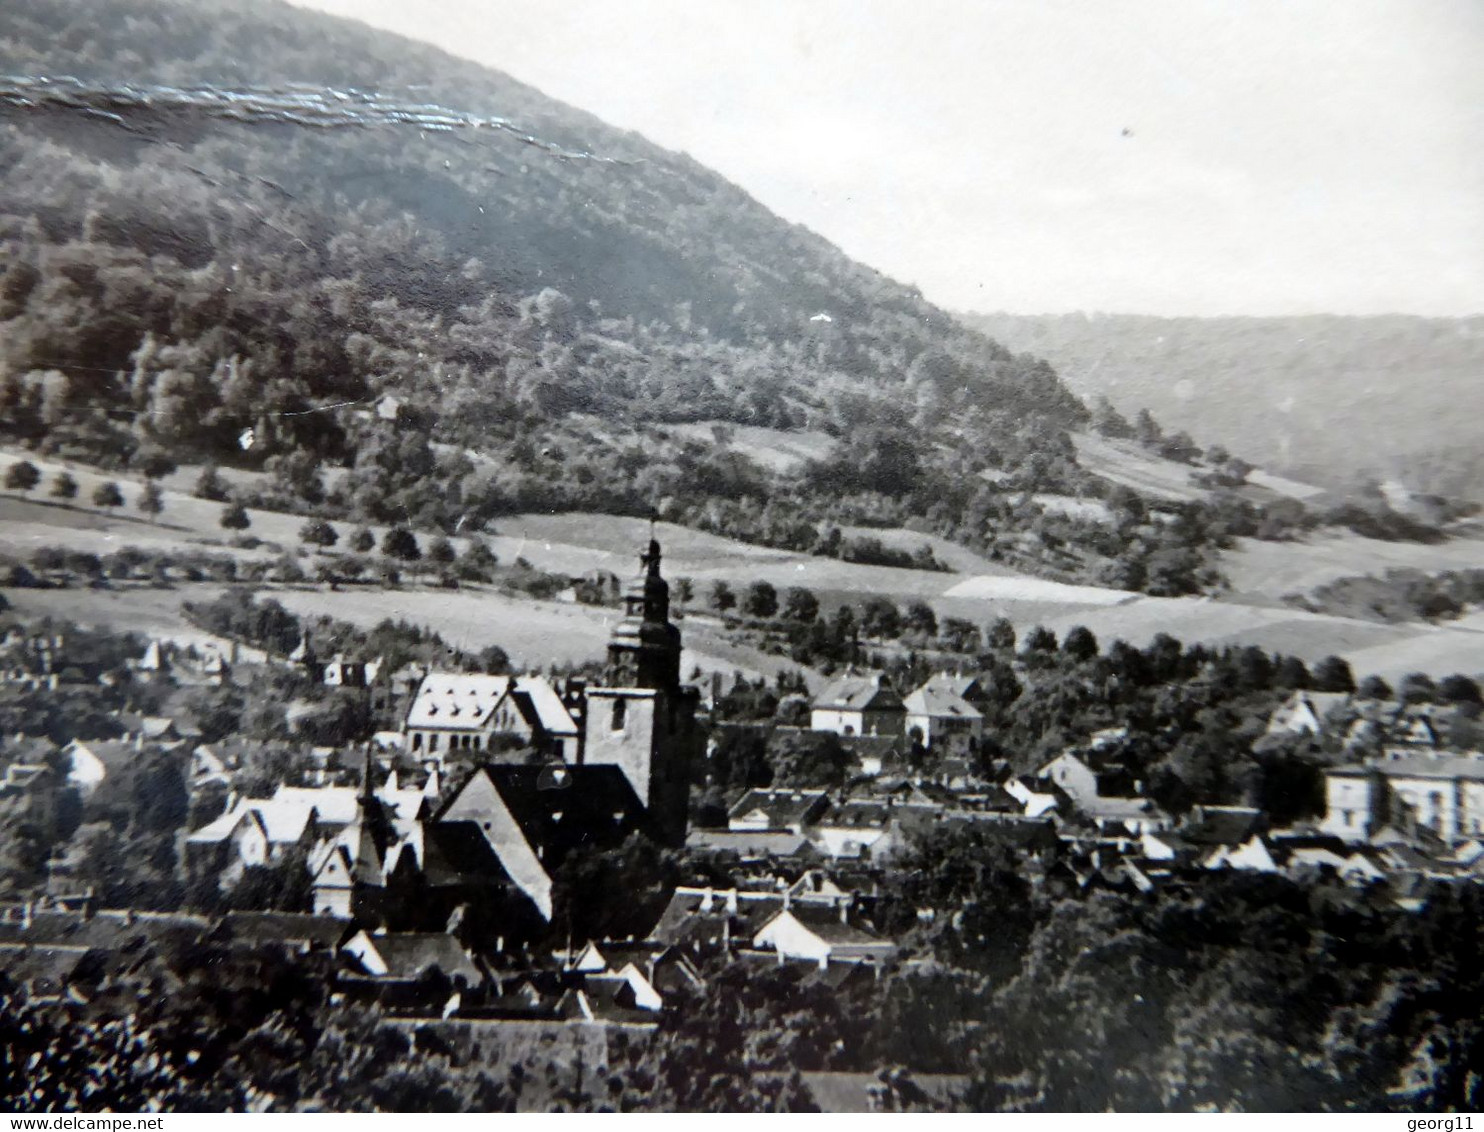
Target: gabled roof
{"points": [[780, 807], [556, 809], [826, 924], [456, 700], [859, 693], [411, 955], [750, 842], [939, 702], [858, 814], [549, 710], [282, 927]]}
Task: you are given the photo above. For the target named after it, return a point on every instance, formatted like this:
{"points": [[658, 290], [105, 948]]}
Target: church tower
{"points": [[643, 720]]}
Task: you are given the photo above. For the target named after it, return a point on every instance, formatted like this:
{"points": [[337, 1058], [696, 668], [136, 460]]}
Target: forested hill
{"points": [[1325, 397], [228, 230], [645, 247]]}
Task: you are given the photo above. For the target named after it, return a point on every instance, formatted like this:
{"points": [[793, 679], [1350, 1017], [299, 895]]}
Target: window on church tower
{"points": [[616, 723]]}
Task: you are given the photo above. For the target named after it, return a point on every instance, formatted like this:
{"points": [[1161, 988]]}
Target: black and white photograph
{"points": [[746, 556]]}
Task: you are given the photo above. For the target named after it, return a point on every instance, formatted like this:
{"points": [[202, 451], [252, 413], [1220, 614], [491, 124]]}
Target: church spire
{"points": [[644, 651]]}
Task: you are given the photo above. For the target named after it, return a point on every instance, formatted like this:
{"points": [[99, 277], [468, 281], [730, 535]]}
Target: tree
{"points": [[800, 604], [64, 486], [1080, 644], [1458, 689], [317, 532], [880, 618], [960, 635], [152, 500], [683, 590], [1418, 688], [1001, 634], [722, 598], [363, 542], [235, 518], [1374, 688], [1147, 430], [920, 618], [210, 485], [1039, 640], [107, 494], [761, 600], [479, 561], [1332, 674], [22, 476], [399, 542], [442, 552]]}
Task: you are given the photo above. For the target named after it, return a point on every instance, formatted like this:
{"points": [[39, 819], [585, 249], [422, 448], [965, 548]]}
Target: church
{"points": [[620, 765]]}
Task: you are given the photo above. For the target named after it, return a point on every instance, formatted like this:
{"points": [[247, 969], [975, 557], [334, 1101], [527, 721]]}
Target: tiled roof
{"points": [[939, 702], [857, 693], [783, 806], [749, 842]]}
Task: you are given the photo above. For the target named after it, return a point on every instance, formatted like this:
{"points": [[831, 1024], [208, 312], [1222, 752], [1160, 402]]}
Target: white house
{"points": [[858, 705], [821, 934], [935, 712]]}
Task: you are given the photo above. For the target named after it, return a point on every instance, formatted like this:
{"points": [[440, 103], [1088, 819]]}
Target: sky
{"points": [[1173, 157]]}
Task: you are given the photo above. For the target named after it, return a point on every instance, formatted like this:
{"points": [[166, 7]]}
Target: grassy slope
{"points": [[540, 632]]}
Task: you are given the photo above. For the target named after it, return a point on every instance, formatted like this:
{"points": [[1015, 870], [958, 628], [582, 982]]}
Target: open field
{"points": [[534, 633], [1124, 462], [155, 613], [776, 449], [541, 632], [1273, 569], [1130, 464]]}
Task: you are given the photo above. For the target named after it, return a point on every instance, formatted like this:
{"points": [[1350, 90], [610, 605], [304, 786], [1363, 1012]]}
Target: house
{"points": [[859, 705], [805, 931], [1083, 782], [775, 809], [703, 921], [461, 712], [299, 931], [752, 845], [1305, 713], [1443, 794], [1036, 796], [663, 967], [936, 713], [850, 829], [262, 831], [411, 956], [1133, 816], [91, 761]]}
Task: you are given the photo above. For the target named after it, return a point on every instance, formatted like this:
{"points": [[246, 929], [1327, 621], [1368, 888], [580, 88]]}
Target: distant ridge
{"points": [[1325, 397]]}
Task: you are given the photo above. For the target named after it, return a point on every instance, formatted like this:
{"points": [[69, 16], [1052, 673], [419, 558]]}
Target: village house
{"points": [[462, 712], [262, 831], [859, 705], [1305, 713], [749, 846], [777, 809], [1441, 793], [804, 931], [937, 714]]}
